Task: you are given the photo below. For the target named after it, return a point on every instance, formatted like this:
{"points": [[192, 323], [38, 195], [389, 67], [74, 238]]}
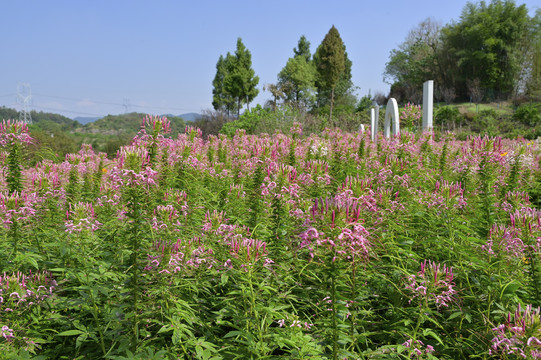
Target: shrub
{"points": [[247, 121], [485, 122], [447, 115], [529, 115]]}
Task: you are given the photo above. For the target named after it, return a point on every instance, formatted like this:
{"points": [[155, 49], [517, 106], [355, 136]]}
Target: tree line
{"points": [[493, 52], [315, 82]]}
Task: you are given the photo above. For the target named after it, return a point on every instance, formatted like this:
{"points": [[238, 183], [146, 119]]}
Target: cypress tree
{"points": [[331, 62]]}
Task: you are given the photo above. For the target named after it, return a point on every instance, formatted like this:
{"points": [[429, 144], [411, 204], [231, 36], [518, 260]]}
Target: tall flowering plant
{"points": [[433, 284], [520, 335], [13, 134], [12, 131], [410, 116], [20, 294], [339, 245]]}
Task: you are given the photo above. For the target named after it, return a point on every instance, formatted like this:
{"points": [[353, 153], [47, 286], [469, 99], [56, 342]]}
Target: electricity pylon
{"points": [[24, 97]]}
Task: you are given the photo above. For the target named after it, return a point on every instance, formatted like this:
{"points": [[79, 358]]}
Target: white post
{"points": [[373, 129], [374, 123], [391, 113], [428, 104]]}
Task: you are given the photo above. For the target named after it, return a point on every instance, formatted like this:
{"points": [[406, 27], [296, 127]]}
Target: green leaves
{"points": [[71, 332], [235, 80], [297, 80], [492, 41], [331, 59]]}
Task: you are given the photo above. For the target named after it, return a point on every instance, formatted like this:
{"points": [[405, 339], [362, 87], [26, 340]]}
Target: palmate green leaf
{"points": [[431, 333], [70, 333], [165, 329], [81, 339], [510, 288], [455, 315], [224, 278], [232, 334]]}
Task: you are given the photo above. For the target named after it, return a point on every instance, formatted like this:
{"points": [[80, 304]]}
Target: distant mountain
{"points": [[191, 117], [127, 125], [85, 120]]}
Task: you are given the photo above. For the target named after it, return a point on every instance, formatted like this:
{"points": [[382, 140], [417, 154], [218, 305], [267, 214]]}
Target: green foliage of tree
{"points": [[303, 48], [414, 62], [533, 77], [240, 80], [364, 103], [7, 113], [494, 42], [248, 121], [331, 65], [264, 120], [65, 123], [296, 81], [486, 44], [529, 115], [127, 125], [221, 99], [235, 81], [51, 145]]}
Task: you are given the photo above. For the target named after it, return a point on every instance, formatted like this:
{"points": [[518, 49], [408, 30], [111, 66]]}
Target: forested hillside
{"points": [[56, 135]]}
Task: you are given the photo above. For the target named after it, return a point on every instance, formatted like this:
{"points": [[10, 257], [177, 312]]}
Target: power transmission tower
{"points": [[127, 105], [24, 97]]}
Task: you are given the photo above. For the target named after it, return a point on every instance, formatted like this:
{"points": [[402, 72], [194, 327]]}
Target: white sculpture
{"points": [[374, 115], [391, 114], [428, 104]]}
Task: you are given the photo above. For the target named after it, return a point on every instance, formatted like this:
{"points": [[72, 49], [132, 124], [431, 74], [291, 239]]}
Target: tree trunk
{"points": [[332, 103], [247, 103], [238, 107]]}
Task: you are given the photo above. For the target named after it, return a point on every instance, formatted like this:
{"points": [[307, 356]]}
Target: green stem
{"points": [[533, 270], [334, 325], [135, 289], [253, 310], [95, 311]]}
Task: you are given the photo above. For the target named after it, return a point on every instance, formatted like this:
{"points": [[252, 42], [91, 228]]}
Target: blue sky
{"points": [[93, 58]]}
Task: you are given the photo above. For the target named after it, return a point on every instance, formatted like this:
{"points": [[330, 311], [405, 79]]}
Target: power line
{"points": [[14, 107], [66, 111], [114, 104], [74, 99]]}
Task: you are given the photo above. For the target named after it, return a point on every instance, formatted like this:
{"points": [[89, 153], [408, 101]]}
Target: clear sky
{"points": [[99, 57]]}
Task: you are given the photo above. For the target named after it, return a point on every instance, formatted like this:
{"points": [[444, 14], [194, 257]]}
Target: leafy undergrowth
{"points": [[272, 247]]}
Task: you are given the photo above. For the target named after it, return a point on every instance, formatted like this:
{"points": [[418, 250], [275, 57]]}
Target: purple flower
{"points": [[433, 283], [7, 333]]}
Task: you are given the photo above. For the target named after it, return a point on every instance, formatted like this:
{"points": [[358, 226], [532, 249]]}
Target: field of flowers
{"points": [[282, 246]]}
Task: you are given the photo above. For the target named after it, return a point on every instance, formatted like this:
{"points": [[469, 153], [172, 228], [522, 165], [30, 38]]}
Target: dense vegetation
{"points": [[492, 53], [56, 135], [275, 246], [284, 231]]}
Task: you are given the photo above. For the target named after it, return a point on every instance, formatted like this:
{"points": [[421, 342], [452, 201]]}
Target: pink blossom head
{"points": [[14, 131]]}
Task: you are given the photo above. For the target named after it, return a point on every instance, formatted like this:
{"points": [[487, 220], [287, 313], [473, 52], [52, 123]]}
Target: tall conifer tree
{"points": [[235, 81], [330, 61], [221, 100], [241, 80]]}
